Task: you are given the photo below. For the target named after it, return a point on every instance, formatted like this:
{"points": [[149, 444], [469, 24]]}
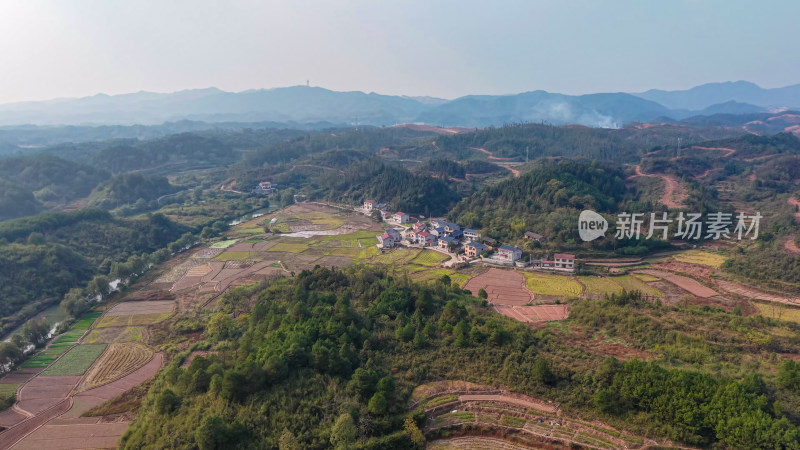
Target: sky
{"points": [[76, 48]]}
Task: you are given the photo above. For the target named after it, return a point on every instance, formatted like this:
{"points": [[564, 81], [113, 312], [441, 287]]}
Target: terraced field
{"points": [[599, 286], [429, 258], [120, 360], [76, 361], [132, 320], [396, 257], [549, 284]]}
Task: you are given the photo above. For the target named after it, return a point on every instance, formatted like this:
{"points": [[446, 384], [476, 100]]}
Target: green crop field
{"points": [[69, 336], [549, 284], [86, 320], [76, 361], [600, 285], [429, 258], [38, 361]]}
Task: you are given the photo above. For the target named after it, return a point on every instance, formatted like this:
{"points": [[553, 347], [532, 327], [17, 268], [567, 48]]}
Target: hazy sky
{"points": [[70, 48]]}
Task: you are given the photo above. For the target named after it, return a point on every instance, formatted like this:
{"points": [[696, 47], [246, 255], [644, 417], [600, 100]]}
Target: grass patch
{"points": [[460, 416], [350, 236], [224, 244], [291, 247], [701, 257], [600, 285], [76, 361], [436, 401], [396, 257], [631, 283], [368, 252], [511, 421], [645, 277], [776, 311], [7, 390], [429, 258], [549, 284]]}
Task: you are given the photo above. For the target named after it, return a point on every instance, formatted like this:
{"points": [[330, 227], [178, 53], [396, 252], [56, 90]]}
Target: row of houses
{"points": [[452, 237]]}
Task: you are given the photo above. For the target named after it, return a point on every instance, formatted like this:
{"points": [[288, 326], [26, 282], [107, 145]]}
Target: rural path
{"points": [[727, 151], [796, 204], [525, 402], [674, 194], [491, 155], [790, 246]]}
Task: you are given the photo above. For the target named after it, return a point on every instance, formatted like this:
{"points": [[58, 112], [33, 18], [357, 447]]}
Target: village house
{"points": [[474, 249], [426, 238], [531, 236], [508, 252], [400, 217], [386, 241], [394, 234], [411, 235], [265, 187], [445, 242], [564, 261], [471, 235], [438, 232], [369, 205], [419, 226]]}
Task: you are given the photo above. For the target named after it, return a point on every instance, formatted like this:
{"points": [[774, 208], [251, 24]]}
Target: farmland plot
{"points": [[76, 361], [120, 360]]}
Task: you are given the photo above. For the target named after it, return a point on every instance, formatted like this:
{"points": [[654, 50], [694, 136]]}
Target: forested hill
{"points": [[42, 181], [329, 359], [547, 200], [43, 256], [386, 183]]}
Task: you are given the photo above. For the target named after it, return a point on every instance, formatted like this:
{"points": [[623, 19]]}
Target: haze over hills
{"points": [[301, 105]]}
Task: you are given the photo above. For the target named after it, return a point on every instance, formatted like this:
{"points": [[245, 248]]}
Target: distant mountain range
{"points": [[300, 105]]}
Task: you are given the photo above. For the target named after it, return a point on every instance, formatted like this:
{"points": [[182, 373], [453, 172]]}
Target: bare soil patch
{"points": [[505, 287], [726, 151], [790, 246], [72, 436], [688, 284], [537, 313], [44, 392], [146, 307]]}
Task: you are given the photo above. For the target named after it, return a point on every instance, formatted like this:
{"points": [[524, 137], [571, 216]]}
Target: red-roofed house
{"points": [[369, 205], [400, 217], [386, 240]]}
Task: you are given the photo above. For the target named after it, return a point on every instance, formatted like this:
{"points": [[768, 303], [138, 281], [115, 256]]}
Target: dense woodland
{"points": [[390, 184], [329, 358]]}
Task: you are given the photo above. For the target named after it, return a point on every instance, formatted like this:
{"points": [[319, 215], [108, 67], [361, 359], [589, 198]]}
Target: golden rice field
{"points": [[631, 283], [776, 311], [430, 258], [701, 257], [550, 284], [599, 285]]}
